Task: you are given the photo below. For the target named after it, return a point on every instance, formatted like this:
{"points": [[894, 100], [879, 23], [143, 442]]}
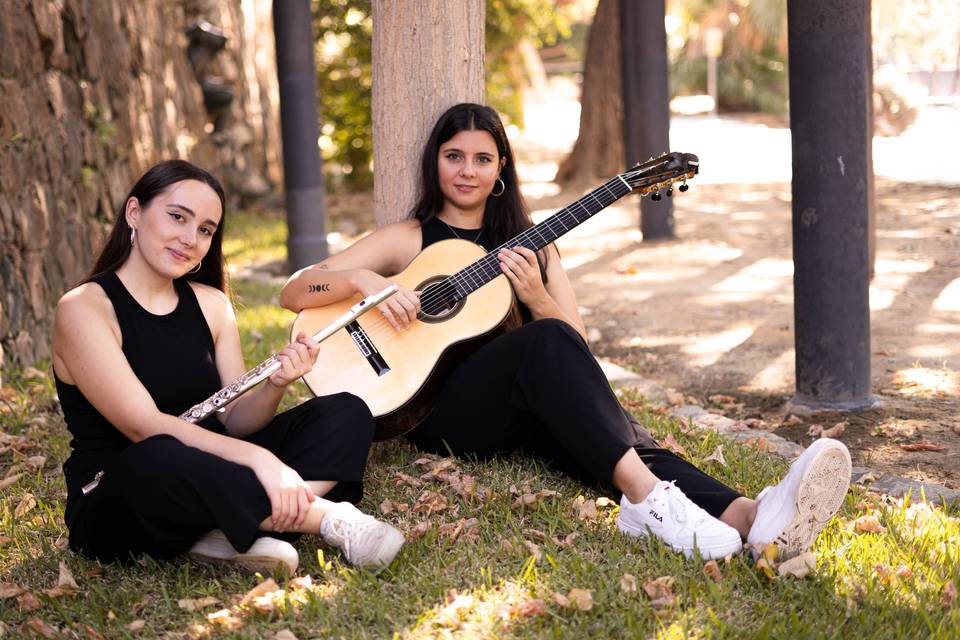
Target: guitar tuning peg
{"points": [[683, 187], [670, 192], [656, 197]]}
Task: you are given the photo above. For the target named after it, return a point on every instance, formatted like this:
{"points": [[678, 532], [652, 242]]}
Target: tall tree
{"points": [[598, 151], [427, 56]]}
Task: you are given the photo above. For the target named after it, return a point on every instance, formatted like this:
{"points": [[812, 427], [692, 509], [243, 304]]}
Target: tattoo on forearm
{"points": [[317, 288]]}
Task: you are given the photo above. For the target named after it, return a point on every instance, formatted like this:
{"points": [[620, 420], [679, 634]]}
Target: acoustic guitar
{"points": [[465, 301]]}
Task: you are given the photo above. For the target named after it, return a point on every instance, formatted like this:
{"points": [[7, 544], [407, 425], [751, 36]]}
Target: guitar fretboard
{"points": [[477, 274]]}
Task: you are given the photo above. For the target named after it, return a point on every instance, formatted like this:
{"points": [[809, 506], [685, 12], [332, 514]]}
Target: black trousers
{"points": [[538, 389], [159, 496]]}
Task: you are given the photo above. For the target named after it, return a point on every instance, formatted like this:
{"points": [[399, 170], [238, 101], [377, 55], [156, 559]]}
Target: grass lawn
{"points": [[506, 548]]}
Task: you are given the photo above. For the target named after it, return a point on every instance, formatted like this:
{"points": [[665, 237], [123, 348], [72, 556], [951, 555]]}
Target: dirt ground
{"points": [[711, 313]]}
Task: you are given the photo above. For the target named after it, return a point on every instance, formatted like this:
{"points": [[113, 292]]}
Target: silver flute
{"points": [[265, 369]]}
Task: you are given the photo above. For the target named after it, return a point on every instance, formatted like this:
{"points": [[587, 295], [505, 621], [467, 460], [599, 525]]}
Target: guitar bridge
{"points": [[367, 349]]}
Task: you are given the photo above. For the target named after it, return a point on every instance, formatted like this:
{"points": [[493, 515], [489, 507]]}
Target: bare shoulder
{"points": [[215, 304], [404, 240], [82, 304]]}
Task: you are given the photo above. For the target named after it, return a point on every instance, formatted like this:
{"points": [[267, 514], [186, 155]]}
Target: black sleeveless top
{"points": [[171, 354], [435, 230]]}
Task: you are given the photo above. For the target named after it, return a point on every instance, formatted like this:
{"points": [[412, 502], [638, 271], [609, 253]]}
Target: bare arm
{"points": [[361, 268]]}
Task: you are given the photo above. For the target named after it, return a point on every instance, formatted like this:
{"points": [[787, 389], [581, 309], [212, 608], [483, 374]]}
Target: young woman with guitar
{"points": [[538, 388], [147, 335]]}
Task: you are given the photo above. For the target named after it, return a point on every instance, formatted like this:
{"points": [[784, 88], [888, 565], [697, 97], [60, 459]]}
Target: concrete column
{"points": [[646, 101], [302, 168], [830, 124]]}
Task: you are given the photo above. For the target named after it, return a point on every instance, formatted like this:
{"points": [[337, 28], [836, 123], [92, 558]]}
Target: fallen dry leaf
{"points": [[140, 605], [904, 572], [193, 604], [528, 609], [41, 628], [404, 479], [712, 570], [530, 500], [9, 480], [660, 591], [894, 428], [721, 399], [582, 599], [799, 566], [766, 568], [27, 502], [949, 594], [266, 586], [534, 551], [566, 541], [923, 445], [791, 420], [66, 585], [586, 509], [835, 431], [670, 443], [717, 456], [28, 601], [761, 444], [534, 533], [9, 590], [284, 634], [628, 583], [430, 502], [561, 599], [868, 524], [225, 619], [198, 630], [420, 529], [32, 373], [136, 626], [815, 430], [674, 397]]}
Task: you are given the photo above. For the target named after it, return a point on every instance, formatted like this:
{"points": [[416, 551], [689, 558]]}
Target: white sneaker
{"points": [[792, 513], [364, 540], [671, 516], [265, 555]]}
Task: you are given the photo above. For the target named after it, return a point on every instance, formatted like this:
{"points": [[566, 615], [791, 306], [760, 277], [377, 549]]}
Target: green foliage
{"points": [[751, 71], [344, 31], [508, 22]]}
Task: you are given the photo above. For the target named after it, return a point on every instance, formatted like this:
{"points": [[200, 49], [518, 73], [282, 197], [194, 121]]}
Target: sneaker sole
{"points": [[822, 490], [261, 564]]}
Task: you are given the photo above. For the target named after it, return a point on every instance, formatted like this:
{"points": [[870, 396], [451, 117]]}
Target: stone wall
{"points": [[92, 92]]}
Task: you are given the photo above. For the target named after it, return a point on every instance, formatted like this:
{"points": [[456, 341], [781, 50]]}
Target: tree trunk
{"points": [[427, 56], [598, 152]]}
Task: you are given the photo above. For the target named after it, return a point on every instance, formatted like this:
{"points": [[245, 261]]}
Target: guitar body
{"points": [[400, 385]]}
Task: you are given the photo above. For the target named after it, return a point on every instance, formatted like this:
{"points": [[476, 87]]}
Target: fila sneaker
{"points": [[792, 513], [265, 555], [669, 515], [364, 540]]}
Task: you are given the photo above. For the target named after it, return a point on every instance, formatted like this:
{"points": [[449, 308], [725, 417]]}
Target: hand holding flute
{"points": [[268, 367]]}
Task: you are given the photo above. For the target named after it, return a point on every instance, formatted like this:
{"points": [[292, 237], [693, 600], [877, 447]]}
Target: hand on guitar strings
{"points": [[523, 271], [296, 359], [400, 309]]}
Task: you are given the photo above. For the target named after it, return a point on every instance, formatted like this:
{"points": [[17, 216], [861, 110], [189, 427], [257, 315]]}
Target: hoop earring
{"points": [[133, 234], [503, 187], [196, 269]]}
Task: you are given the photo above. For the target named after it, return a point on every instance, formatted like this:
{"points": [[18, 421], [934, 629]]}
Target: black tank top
{"points": [[171, 354]]}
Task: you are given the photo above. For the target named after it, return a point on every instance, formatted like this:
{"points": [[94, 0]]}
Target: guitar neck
{"points": [[477, 274]]}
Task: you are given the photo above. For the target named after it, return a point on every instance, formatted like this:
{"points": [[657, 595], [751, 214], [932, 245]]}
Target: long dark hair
{"points": [[156, 180], [504, 216]]}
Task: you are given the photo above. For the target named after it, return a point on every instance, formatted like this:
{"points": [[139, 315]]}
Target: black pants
{"points": [[159, 496], [539, 389]]}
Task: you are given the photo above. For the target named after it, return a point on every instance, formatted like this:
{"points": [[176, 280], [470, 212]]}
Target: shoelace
{"points": [[680, 508], [343, 530]]}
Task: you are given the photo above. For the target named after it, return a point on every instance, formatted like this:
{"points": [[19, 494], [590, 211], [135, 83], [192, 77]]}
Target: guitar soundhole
{"points": [[438, 300]]}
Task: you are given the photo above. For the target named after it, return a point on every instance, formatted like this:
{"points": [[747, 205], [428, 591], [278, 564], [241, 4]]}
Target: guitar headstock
{"points": [[661, 173]]}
